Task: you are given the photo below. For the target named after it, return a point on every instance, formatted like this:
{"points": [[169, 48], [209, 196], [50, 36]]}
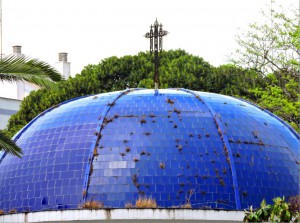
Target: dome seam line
{"points": [[276, 117], [224, 139], [96, 141]]}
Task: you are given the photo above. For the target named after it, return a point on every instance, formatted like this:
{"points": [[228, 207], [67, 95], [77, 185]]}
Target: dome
{"points": [[175, 145]]}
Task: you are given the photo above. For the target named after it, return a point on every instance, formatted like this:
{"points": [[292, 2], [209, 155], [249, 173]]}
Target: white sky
{"points": [[92, 30]]}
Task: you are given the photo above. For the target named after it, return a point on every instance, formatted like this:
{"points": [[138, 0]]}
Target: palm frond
{"points": [[9, 146], [16, 68]]}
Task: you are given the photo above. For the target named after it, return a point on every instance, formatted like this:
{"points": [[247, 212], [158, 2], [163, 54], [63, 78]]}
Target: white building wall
{"points": [[126, 215], [8, 107]]}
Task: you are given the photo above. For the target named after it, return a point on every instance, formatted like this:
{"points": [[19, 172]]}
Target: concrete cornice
{"points": [[125, 215]]}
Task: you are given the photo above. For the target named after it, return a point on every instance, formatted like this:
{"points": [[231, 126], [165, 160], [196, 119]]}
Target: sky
{"points": [[92, 30]]}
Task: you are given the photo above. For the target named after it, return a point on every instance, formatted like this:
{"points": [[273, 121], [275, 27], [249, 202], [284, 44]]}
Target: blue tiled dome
{"points": [[174, 145]]}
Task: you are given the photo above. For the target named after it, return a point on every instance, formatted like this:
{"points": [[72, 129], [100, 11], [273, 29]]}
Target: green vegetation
{"points": [[13, 69], [177, 69], [265, 70], [272, 49], [280, 211]]}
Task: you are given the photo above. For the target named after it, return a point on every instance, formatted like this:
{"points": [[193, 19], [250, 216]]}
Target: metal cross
{"points": [[156, 38]]}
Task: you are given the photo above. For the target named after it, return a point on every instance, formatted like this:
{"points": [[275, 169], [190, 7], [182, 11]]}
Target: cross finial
{"points": [[156, 38]]}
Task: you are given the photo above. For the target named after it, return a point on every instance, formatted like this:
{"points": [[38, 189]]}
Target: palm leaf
{"points": [[9, 146], [16, 68]]}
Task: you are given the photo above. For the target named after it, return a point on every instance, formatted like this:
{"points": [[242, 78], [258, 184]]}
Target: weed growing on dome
{"points": [[134, 179], [111, 104], [177, 111], [220, 131], [169, 101], [162, 165], [152, 115], [255, 134], [12, 211], [221, 181], [95, 152], [179, 147], [186, 206], [261, 143], [144, 202], [129, 205], [92, 205]]}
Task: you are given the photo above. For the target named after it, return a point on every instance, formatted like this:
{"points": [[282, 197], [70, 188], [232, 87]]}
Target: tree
{"points": [[177, 69], [272, 49], [16, 68], [273, 46], [231, 80]]}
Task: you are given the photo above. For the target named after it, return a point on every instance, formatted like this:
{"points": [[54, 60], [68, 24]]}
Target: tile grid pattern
{"points": [[164, 144], [94, 146], [227, 147]]}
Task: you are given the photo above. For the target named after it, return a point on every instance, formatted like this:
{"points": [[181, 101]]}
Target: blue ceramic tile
{"points": [[217, 151]]}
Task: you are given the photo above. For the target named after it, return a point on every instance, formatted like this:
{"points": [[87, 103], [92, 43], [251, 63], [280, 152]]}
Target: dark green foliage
{"points": [[177, 69]]}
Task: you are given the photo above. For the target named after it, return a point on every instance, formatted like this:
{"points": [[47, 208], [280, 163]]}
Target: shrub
{"points": [[280, 211]]}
